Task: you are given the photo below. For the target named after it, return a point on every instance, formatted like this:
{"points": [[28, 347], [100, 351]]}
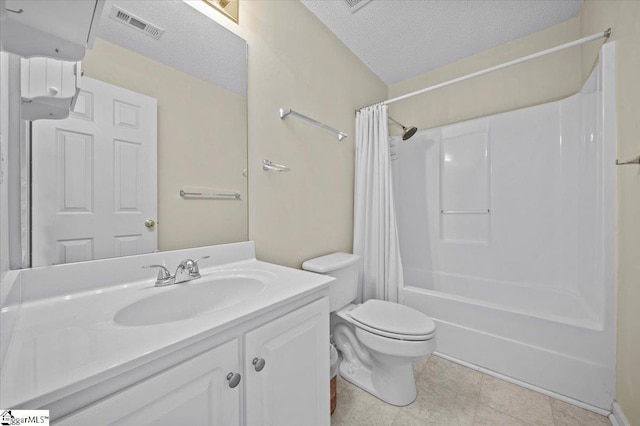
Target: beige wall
{"points": [[542, 80], [624, 19], [202, 141], [296, 62]]}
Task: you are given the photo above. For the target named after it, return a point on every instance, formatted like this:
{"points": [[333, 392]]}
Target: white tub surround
{"points": [[507, 235], [67, 351], [10, 303]]}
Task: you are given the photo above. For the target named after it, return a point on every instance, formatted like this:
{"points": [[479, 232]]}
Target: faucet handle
{"points": [[164, 276], [195, 269]]}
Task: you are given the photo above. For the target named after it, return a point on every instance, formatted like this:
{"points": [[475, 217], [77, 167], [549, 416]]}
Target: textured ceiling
{"points": [[191, 42], [399, 39]]}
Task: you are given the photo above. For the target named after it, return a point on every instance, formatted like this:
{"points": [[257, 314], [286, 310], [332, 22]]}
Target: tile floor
{"points": [[450, 394]]}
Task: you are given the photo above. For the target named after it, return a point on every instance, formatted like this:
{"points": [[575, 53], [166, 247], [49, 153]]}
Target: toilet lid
{"points": [[393, 320]]}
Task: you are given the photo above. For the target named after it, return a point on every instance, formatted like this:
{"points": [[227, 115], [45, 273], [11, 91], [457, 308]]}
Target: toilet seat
{"points": [[392, 320], [396, 336]]}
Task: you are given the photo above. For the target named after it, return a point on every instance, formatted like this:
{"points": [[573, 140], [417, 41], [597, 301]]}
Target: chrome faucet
{"points": [[187, 270]]}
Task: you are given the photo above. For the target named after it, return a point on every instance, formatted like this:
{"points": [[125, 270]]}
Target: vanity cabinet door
{"points": [[287, 369], [195, 392]]}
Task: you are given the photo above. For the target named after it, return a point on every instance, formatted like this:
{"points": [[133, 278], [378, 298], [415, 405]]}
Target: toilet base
{"points": [[379, 365], [394, 383]]}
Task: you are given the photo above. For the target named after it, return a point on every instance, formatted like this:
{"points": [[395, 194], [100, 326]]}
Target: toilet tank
{"points": [[344, 267]]}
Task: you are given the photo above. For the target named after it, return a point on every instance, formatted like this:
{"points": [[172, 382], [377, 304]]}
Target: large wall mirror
{"points": [[154, 155]]}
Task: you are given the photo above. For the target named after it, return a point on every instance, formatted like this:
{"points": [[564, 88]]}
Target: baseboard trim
{"points": [[617, 417], [526, 385]]}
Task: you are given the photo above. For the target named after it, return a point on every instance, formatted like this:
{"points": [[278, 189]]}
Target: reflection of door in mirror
{"points": [[94, 178]]}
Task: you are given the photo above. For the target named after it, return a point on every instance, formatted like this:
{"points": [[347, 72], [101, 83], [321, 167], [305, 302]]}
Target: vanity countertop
{"points": [[63, 344]]}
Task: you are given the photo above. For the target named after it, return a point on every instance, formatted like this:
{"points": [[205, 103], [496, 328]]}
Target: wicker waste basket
{"points": [[334, 361], [334, 395]]}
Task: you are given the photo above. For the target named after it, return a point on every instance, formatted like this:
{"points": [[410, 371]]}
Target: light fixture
{"points": [[229, 8]]}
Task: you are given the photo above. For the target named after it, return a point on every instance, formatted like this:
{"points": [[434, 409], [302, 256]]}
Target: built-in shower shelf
{"points": [[480, 211], [633, 161]]}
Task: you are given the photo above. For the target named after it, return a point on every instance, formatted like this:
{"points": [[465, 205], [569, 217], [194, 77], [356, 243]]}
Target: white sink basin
{"points": [[182, 301]]}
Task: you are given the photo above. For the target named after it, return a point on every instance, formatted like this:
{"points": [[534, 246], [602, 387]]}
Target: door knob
{"points": [[149, 223], [258, 363], [233, 379]]}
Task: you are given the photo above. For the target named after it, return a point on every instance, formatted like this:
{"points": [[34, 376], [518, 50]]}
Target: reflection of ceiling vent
{"points": [[134, 22], [355, 5]]}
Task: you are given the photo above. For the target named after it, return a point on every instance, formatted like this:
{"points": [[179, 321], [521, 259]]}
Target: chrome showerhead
{"points": [[407, 132]]}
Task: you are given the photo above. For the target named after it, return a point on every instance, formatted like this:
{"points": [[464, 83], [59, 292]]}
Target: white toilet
{"points": [[378, 340]]}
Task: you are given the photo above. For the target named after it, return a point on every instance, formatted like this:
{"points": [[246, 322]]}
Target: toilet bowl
{"points": [[378, 340]]}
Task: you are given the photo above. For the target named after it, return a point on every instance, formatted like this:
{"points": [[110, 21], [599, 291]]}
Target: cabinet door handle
{"points": [[258, 363], [234, 379]]}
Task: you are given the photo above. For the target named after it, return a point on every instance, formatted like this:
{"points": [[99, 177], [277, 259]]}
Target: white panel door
{"points": [[293, 386], [94, 180], [195, 392]]}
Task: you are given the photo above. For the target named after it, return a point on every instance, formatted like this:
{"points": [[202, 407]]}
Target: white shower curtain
{"points": [[375, 234]]}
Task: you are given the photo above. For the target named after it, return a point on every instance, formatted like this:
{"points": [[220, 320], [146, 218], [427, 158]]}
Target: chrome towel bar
{"points": [[211, 195], [284, 112]]}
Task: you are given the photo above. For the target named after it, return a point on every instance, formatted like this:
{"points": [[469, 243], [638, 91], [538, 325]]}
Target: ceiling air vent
{"points": [[355, 5], [134, 22]]}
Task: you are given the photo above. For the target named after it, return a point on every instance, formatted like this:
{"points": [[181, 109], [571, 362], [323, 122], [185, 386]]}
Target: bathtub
{"points": [[548, 353], [507, 237]]}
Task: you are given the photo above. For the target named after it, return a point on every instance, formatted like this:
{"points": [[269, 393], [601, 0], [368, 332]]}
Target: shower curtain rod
{"points": [[604, 34]]}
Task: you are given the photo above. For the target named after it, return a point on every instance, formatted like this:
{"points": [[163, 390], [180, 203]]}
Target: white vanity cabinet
{"points": [[283, 364], [195, 392], [287, 369]]}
